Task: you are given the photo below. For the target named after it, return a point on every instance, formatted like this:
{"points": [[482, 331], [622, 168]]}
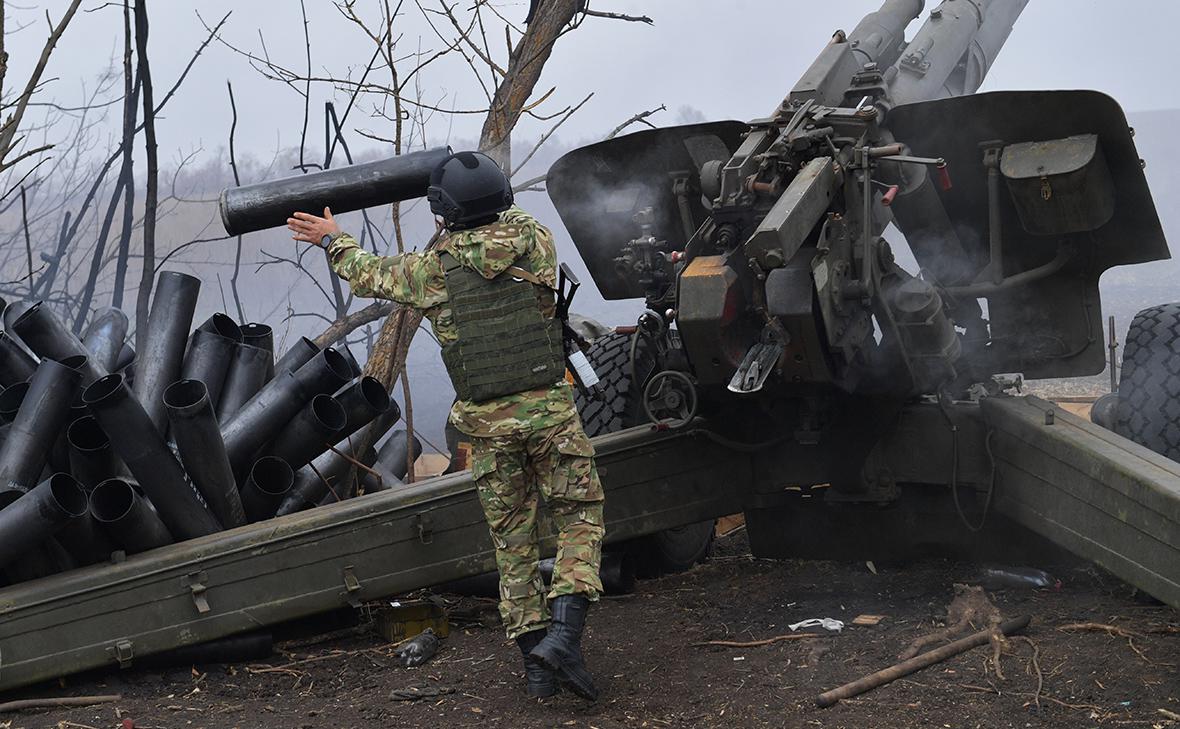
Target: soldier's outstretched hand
{"points": [[311, 228]]}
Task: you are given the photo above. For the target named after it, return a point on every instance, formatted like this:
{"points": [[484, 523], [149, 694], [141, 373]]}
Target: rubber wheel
{"points": [[1148, 410], [672, 550]]}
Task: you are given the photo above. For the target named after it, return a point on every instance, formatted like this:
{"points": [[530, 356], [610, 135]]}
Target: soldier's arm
{"points": [[413, 279]]}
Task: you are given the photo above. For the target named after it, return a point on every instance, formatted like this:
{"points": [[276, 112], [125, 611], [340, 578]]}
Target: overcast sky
{"points": [[727, 58]]}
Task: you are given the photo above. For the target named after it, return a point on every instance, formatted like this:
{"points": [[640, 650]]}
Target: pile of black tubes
{"points": [[106, 450]]}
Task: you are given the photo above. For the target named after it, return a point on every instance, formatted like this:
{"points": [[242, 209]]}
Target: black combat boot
{"points": [[541, 681], [561, 650]]}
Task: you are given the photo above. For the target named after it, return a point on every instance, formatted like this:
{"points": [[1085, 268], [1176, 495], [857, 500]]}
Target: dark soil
{"points": [[651, 675]]}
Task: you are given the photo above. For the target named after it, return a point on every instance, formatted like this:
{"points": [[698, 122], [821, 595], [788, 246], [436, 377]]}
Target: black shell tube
{"points": [[15, 363], [85, 540], [250, 369], [198, 439], [395, 456], [126, 357], [352, 363], [10, 399], [269, 482], [106, 336], [35, 516], [169, 321], [42, 416], [364, 400], [210, 352], [47, 335], [139, 443], [258, 335], [127, 517], [297, 356], [310, 432], [92, 460], [261, 336], [269, 204], [324, 477], [259, 420], [379, 478]]}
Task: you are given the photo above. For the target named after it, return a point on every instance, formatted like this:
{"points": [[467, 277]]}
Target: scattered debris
{"points": [[414, 693], [970, 608], [418, 650], [868, 620], [1169, 714], [57, 702], [1110, 630], [917, 663], [829, 624], [1002, 578], [755, 643]]}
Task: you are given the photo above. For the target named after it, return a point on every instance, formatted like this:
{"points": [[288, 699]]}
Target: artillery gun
{"points": [[788, 365], [779, 318]]}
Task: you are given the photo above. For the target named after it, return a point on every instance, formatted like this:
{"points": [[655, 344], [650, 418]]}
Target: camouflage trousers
{"points": [[512, 474]]}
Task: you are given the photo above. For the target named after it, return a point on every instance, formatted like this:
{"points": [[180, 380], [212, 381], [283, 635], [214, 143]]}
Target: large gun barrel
{"points": [[953, 51], [880, 36], [269, 204]]}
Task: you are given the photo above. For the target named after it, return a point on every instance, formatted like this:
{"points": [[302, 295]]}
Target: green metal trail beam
{"points": [[1096, 494], [319, 560]]}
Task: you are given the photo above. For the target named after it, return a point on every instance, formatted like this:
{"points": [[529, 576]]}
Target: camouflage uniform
{"points": [[524, 446]]}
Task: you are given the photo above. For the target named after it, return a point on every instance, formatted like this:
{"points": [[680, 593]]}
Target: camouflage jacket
{"points": [[417, 280]]}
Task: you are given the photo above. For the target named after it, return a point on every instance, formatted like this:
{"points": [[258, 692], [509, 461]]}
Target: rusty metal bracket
{"points": [[424, 525], [352, 586], [122, 652], [196, 583]]}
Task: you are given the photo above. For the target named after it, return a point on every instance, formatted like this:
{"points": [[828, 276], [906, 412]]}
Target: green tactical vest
{"points": [[506, 344]]}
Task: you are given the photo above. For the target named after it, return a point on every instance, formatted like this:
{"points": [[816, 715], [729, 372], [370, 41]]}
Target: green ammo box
{"points": [[398, 620]]}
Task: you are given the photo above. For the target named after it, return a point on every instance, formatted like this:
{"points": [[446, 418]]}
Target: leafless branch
{"points": [[640, 118]]}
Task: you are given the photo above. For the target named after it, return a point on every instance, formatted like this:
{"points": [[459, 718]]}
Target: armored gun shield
{"points": [[1073, 203], [599, 189]]}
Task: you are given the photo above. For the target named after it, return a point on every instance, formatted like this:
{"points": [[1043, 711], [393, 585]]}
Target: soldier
{"points": [[488, 290]]}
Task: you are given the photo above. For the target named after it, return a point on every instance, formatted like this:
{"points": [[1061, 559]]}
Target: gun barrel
{"points": [[269, 204], [953, 51], [878, 38]]}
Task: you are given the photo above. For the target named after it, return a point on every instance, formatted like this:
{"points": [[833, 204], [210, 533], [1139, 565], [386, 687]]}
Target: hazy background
{"points": [[702, 60]]}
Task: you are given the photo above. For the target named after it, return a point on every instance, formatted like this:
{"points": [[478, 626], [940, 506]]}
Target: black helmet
{"points": [[468, 188]]}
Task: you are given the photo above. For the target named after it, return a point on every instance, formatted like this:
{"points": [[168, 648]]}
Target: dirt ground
{"points": [[651, 674]]}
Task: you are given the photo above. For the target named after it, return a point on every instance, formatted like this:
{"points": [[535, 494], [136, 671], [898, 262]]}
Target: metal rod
{"points": [[1114, 348]]}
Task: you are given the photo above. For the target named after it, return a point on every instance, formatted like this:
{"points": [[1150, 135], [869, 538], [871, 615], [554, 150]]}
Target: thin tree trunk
{"points": [[127, 171], [151, 194], [524, 70]]}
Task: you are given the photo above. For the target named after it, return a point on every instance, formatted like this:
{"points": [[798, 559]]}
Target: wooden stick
{"points": [[55, 702], [917, 663], [755, 643]]}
